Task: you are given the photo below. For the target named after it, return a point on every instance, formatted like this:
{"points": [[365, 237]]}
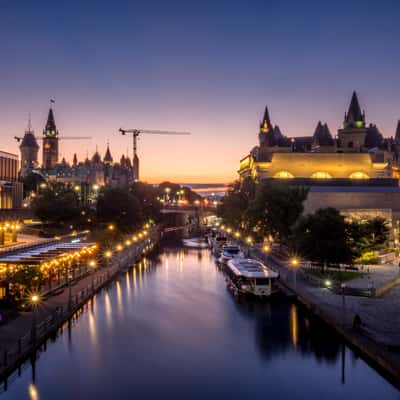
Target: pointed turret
{"points": [[50, 142], [29, 151], [397, 134], [50, 129], [265, 124], [75, 160], [107, 157], [354, 118], [322, 135]]}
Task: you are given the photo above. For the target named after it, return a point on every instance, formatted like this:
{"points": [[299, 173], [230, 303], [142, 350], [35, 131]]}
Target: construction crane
{"points": [[135, 134], [19, 138]]}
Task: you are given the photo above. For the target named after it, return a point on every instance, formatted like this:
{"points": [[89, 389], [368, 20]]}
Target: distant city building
{"points": [[50, 142], [10, 187], [96, 171], [356, 172], [29, 152]]}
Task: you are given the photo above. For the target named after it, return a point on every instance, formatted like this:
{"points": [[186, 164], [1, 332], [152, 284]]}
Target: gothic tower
{"points": [[50, 142], [29, 151]]}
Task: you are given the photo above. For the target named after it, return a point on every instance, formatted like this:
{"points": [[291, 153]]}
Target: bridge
{"points": [[186, 214]]}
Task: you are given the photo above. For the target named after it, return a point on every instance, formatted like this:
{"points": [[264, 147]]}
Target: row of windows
{"points": [[8, 169], [321, 175]]}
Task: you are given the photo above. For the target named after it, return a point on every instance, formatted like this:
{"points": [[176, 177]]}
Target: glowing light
{"points": [[284, 175], [321, 175], [35, 298], [294, 261], [358, 175], [111, 227], [33, 393], [92, 263], [237, 234], [249, 239], [108, 254], [266, 248], [119, 247], [328, 283]]}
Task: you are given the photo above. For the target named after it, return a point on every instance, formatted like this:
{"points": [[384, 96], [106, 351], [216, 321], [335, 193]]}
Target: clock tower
{"points": [[50, 142]]}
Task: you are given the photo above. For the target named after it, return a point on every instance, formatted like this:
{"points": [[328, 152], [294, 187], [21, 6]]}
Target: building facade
{"points": [[357, 171], [10, 187]]}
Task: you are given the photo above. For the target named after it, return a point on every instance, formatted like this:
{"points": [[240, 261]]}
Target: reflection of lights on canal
{"points": [[108, 308], [92, 328], [294, 325], [33, 393], [119, 298]]}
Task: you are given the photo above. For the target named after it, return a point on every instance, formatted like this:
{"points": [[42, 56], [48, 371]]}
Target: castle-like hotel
{"points": [[356, 171]]}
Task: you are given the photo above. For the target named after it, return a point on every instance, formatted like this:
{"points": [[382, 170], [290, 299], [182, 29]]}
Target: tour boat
{"points": [[196, 243], [248, 276], [228, 252]]}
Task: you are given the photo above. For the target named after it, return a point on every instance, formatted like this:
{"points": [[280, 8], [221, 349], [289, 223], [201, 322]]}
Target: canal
{"points": [[168, 328]]}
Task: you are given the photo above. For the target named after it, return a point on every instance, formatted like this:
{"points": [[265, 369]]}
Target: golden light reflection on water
{"points": [[108, 308], [128, 286], [33, 393], [119, 298], [294, 325], [92, 328], [134, 279]]}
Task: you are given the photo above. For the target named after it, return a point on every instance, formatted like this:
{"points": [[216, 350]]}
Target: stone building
{"points": [[357, 171]]}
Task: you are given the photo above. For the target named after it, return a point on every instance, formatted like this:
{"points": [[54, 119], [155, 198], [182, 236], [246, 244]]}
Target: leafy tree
{"points": [[368, 236], [275, 209], [120, 207], [31, 183], [234, 204], [147, 196], [56, 207], [323, 237]]}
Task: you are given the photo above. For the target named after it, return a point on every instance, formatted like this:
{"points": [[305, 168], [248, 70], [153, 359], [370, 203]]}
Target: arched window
{"points": [[321, 175], [284, 175], [358, 175]]}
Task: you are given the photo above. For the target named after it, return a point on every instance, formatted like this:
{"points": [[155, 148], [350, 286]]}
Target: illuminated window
{"points": [[321, 175], [283, 175], [359, 175]]}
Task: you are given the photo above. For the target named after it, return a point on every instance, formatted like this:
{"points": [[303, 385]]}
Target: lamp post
{"points": [[343, 287], [92, 265], [295, 263], [35, 299]]}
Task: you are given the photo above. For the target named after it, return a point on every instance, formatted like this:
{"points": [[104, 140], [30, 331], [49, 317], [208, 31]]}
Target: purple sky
{"points": [[209, 67]]}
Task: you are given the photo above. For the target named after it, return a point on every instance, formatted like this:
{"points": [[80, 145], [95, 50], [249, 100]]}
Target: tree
{"points": [[322, 237], [147, 196], [57, 207], [275, 209], [368, 236], [120, 207], [32, 182], [234, 204]]}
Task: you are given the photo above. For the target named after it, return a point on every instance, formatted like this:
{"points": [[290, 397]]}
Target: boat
{"points": [[195, 243], [246, 276], [228, 252], [217, 244]]}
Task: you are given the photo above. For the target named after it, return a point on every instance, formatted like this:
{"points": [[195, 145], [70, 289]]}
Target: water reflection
{"points": [[180, 334]]}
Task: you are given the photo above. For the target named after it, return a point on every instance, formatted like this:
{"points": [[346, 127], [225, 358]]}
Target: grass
{"points": [[334, 276]]}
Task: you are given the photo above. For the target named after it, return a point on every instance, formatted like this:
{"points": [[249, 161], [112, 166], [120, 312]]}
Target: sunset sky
{"points": [[208, 67]]}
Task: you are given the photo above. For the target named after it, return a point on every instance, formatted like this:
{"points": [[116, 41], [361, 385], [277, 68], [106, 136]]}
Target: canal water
{"points": [[169, 329]]}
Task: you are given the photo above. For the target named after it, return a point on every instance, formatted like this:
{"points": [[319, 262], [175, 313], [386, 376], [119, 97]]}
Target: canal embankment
{"points": [[379, 347], [23, 335]]}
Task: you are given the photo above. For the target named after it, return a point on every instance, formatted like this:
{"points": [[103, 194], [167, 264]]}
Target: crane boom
{"points": [[136, 132]]}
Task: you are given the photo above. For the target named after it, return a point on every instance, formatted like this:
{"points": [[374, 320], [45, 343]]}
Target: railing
{"points": [[31, 340]]}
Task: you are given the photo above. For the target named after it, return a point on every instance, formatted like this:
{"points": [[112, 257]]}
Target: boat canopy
{"points": [[251, 269]]}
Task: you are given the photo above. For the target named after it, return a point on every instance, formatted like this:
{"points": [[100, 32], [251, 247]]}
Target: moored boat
{"points": [[196, 243], [248, 276], [228, 252]]}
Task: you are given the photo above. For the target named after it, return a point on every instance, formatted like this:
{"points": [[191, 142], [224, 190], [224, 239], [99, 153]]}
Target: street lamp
{"points": [[35, 299], [266, 248], [295, 263]]}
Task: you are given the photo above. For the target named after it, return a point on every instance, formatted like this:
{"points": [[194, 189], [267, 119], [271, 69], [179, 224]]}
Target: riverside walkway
{"points": [[16, 340], [378, 335]]}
